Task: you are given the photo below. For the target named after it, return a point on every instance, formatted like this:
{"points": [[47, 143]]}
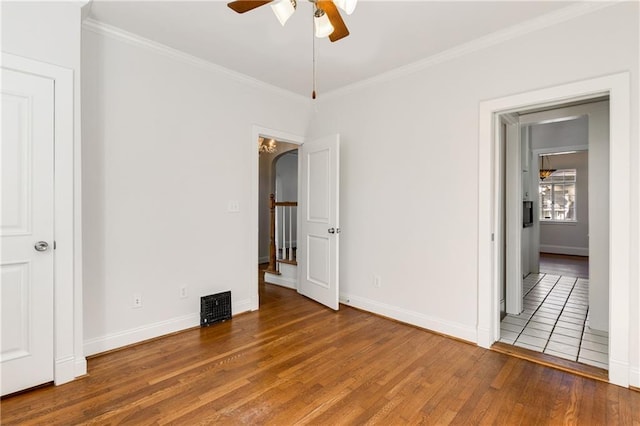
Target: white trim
{"points": [[418, 319], [281, 280], [279, 135], [138, 41], [618, 87], [555, 149], [241, 306], [573, 251], [139, 334], [68, 219], [501, 36], [634, 376], [151, 331]]}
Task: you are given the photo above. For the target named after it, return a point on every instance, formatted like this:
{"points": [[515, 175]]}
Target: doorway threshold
{"points": [[577, 368]]}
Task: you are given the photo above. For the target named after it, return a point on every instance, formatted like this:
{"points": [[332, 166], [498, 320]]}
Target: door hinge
{"points": [[54, 244], [493, 237]]}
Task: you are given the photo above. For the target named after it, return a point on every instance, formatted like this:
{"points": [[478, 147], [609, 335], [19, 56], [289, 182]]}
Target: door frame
{"points": [[69, 361], [617, 86], [511, 253], [279, 135]]}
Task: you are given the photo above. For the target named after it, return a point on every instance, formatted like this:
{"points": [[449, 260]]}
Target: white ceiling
{"points": [[385, 35]]}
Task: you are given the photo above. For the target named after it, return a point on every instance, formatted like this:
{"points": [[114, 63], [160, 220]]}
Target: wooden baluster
{"points": [[272, 236]]}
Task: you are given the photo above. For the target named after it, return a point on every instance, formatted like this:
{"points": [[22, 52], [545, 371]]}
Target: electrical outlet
{"points": [[183, 292], [377, 281], [233, 206], [137, 300]]}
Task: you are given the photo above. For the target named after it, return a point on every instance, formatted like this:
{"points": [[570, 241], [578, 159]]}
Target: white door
{"points": [[26, 231], [319, 220]]}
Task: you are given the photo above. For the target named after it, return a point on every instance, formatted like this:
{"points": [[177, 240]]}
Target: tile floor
{"points": [[554, 321]]}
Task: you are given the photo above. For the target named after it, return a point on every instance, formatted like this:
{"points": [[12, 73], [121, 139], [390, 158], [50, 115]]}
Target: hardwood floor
{"points": [[295, 362], [562, 264]]}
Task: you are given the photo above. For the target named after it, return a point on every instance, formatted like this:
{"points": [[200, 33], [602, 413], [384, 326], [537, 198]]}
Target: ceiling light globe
{"points": [[347, 5], [283, 10], [322, 24]]}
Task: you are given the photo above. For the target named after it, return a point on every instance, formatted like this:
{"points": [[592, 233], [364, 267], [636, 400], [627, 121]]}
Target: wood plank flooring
{"points": [[295, 362], [562, 264]]}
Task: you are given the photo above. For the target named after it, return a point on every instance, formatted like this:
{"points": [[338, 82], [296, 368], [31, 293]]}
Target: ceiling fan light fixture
{"points": [[283, 10], [347, 5], [322, 24]]}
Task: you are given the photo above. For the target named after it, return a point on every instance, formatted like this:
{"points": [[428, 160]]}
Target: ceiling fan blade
{"points": [[339, 28], [242, 6]]}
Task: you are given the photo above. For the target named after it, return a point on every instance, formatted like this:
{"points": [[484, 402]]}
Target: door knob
{"points": [[41, 246], [331, 230]]}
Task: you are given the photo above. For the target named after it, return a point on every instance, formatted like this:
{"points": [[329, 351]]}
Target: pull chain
{"points": [[313, 37]]}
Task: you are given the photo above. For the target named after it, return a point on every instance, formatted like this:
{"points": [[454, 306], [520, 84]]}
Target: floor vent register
{"points": [[215, 308]]}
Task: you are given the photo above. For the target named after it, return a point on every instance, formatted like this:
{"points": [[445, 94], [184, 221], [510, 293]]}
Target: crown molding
{"points": [[492, 39], [119, 34]]}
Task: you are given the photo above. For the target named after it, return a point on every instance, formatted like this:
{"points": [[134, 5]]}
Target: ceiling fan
{"points": [[326, 18]]}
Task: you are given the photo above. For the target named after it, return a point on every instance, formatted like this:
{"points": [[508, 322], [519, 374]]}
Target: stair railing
{"points": [[282, 234]]}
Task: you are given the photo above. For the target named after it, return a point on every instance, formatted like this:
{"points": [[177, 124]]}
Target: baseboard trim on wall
{"points": [[634, 377], [65, 370], [281, 280], [619, 372], [117, 340], [81, 366], [569, 250], [449, 328]]}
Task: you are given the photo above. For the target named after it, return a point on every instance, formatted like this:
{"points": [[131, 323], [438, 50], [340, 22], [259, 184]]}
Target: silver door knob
{"points": [[41, 246]]}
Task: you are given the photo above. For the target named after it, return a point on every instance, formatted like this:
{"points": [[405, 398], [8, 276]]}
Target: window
{"points": [[558, 196]]}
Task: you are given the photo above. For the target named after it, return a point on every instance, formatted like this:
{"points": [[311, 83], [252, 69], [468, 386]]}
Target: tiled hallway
{"points": [[554, 321]]}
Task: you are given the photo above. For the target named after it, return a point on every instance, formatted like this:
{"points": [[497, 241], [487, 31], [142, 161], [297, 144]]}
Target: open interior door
{"points": [[26, 231], [318, 207]]}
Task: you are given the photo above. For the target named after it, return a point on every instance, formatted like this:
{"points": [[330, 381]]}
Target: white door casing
{"points": [[319, 221], [617, 86], [513, 199], [26, 354]]}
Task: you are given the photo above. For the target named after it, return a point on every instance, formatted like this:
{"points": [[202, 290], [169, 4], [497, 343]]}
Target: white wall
{"points": [[49, 32], [167, 144], [151, 215], [432, 114], [287, 177]]}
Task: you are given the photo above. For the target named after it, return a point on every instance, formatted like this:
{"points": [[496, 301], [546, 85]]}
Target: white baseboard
{"points": [[619, 373], [449, 328], [81, 367], [573, 251], [238, 307], [485, 340], [127, 337], [634, 377], [280, 280], [64, 370]]}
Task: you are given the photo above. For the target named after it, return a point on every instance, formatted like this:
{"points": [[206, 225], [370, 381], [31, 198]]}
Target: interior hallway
{"points": [[555, 316]]}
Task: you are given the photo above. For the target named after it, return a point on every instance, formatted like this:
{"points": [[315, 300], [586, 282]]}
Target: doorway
{"points": [[69, 361], [618, 265], [556, 315], [278, 197], [265, 134]]}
